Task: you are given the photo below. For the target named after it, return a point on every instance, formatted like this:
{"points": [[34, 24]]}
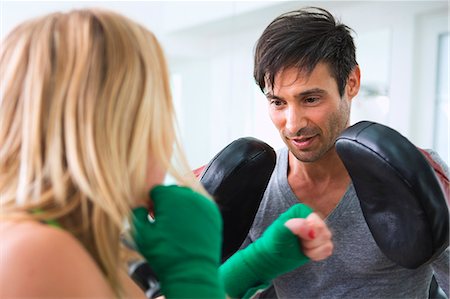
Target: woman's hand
{"points": [[314, 236], [181, 242], [294, 238]]}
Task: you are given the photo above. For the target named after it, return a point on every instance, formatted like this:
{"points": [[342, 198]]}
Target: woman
{"points": [[87, 127], [86, 112]]}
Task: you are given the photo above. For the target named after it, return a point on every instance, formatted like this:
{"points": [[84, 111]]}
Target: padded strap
{"points": [[440, 173]]}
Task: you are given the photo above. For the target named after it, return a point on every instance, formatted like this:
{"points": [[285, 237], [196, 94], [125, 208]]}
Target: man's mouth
{"points": [[303, 142]]}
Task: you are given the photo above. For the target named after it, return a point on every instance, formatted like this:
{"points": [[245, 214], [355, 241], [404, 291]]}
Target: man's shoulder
{"points": [[438, 159]]}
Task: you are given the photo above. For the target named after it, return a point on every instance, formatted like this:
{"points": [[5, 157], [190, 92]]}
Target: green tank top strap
{"points": [[51, 222]]}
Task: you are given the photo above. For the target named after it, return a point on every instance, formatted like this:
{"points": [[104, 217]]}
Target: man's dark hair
{"points": [[302, 39]]}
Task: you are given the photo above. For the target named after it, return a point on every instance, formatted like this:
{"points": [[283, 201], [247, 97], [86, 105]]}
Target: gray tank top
{"points": [[357, 267]]}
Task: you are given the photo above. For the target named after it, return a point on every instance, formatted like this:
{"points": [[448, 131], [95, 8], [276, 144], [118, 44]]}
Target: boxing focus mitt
{"points": [[237, 178], [400, 195]]}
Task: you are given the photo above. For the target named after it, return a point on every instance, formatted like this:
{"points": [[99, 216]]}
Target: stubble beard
{"points": [[337, 123]]}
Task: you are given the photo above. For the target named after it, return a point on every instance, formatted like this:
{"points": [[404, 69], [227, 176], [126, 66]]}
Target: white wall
{"points": [[387, 41], [209, 45]]}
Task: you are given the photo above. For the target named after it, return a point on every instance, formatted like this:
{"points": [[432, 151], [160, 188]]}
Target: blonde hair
{"points": [[85, 98]]}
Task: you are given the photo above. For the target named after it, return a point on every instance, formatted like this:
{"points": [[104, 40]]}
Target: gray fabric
{"points": [[357, 268]]}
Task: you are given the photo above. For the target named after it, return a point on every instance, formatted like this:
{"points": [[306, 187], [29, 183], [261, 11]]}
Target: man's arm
{"points": [[441, 265], [441, 271]]}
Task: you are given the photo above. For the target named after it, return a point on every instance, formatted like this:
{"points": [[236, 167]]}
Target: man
{"points": [[305, 64]]}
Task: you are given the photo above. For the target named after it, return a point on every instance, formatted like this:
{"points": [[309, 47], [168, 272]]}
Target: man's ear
{"points": [[353, 82]]}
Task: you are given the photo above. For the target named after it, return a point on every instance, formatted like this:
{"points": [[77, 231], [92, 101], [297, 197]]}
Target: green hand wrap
{"points": [[276, 252], [183, 244]]}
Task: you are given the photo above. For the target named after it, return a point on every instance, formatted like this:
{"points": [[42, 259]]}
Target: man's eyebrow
{"points": [[305, 93], [310, 92], [271, 96]]}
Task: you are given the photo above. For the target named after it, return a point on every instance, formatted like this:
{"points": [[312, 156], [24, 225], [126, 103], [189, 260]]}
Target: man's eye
{"points": [[276, 102], [311, 100]]}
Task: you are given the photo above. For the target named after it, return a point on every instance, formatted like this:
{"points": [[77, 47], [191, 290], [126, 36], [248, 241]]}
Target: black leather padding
{"points": [[400, 196], [237, 178]]}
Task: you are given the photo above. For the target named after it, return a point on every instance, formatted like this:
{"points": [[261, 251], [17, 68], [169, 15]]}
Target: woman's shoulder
{"points": [[48, 261], [27, 240]]}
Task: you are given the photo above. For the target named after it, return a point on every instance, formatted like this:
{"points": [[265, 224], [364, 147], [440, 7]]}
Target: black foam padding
{"points": [[237, 178], [400, 196], [145, 278]]}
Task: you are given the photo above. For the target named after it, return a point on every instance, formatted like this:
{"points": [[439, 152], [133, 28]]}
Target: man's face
{"points": [[308, 110]]}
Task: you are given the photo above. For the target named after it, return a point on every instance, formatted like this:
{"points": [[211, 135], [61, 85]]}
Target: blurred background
{"points": [[402, 49]]}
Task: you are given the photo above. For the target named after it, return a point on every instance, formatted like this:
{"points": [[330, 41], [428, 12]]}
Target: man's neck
{"points": [[328, 167], [320, 184]]}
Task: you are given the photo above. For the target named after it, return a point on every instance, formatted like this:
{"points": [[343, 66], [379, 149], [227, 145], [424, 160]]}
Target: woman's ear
{"points": [[353, 82]]}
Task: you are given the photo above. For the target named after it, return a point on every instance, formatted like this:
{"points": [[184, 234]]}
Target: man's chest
{"points": [[323, 199]]}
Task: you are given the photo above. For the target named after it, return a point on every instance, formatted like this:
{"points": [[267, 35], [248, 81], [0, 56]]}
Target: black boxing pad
{"points": [[237, 178], [400, 195]]}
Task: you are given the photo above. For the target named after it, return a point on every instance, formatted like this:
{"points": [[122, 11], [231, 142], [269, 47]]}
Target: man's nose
{"points": [[295, 120]]}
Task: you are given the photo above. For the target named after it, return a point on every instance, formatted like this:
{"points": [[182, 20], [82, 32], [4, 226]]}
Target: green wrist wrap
{"points": [[276, 252], [183, 244]]}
